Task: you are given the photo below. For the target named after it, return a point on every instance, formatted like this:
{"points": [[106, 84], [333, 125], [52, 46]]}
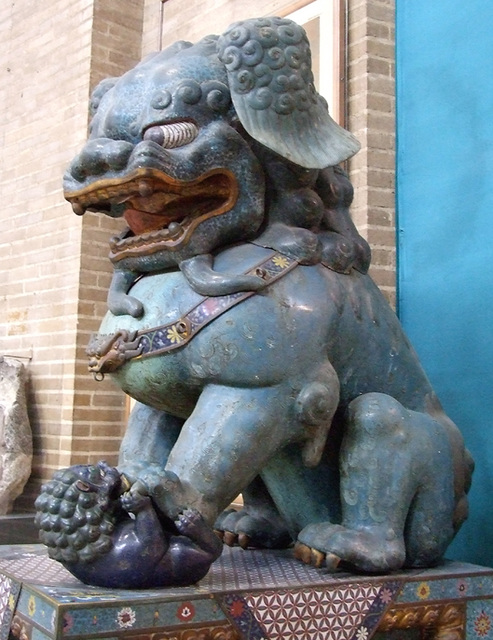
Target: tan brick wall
{"points": [[45, 52], [51, 296], [99, 408]]}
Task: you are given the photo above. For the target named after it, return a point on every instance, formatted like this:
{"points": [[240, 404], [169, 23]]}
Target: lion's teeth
{"points": [[145, 189], [175, 229]]}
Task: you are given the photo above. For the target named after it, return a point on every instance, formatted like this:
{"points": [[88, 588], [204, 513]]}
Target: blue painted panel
{"points": [[445, 237]]}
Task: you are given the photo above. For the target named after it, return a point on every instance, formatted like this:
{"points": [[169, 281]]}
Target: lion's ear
{"points": [[268, 62]]}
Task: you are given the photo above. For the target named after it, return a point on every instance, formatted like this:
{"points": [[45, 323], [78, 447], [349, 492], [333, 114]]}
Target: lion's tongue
{"points": [[141, 222]]}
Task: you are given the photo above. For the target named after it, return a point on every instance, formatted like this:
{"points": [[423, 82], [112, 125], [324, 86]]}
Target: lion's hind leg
{"points": [[397, 489]]}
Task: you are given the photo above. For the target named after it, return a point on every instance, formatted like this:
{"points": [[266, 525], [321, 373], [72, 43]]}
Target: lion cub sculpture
{"points": [[108, 537]]}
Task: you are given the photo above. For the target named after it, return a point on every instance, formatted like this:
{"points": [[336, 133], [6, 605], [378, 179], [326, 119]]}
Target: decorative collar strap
{"points": [[109, 352]]}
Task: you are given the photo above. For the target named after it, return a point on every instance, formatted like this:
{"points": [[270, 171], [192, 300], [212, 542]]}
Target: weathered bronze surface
{"points": [[262, 357]]}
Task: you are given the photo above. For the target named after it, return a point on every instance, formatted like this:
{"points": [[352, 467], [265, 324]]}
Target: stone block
{"points": [[16, 447]]}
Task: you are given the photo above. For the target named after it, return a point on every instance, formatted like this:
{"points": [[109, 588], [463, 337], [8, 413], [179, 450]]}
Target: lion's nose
{"points": [[101, 156]]}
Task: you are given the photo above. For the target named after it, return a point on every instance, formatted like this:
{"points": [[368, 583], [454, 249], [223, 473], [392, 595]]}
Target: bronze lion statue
{"points": [[262, 357]]}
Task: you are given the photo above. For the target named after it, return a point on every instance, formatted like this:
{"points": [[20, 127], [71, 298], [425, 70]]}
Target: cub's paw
{"points": [[134, 502], [190, 523]]}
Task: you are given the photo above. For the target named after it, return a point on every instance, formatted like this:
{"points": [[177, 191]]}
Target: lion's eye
{"points": [[170, 136], [82, 486]]}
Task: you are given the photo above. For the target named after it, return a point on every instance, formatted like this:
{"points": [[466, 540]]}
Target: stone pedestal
{"points": [[247, 595]]}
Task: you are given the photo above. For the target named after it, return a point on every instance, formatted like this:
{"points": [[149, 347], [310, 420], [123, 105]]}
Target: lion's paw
{"points": [[239, 527], [371, 549], [315, 558]]}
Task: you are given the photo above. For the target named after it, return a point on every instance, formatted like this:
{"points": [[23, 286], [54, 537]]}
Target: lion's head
{"points": [[176, 143], [77, 510]]}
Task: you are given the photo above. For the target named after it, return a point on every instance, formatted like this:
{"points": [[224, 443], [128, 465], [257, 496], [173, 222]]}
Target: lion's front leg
{"points": [[227, 440], [233, 433], [229, 437], [257, 524], [119, 302], [148, 440]]}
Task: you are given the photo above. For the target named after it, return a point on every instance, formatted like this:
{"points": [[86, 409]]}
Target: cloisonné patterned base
{"points": [[247, 595]]}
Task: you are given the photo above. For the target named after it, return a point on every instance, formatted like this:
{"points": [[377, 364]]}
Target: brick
{"points": [[368, 28], [381, 216], [384, 257], [382, 104], [381, 198], [383, 277], [379, 178], [381, 159], [81, 430], [384, 12], [113, 430], [381, 236], [88, 414], [381, 84], [381, 140], [381, 48], [115, 400]]}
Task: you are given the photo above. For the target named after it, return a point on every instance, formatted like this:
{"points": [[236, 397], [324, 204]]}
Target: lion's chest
{"points": [[259, 341]]}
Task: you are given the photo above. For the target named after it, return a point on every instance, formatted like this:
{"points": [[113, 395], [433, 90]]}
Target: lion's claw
{"points": [[303, 553], [229, 538], [232, 539], [315, 558], [244, 540], [331, 561]]}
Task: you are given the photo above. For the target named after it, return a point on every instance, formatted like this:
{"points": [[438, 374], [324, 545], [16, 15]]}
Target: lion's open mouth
{"points": [[161, 212]]}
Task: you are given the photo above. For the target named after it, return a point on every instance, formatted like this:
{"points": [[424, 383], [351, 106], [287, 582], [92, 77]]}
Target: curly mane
{"points": [[75, 524]]}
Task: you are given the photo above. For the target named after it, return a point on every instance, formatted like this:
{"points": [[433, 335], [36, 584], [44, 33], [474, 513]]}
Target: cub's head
{"points": [[76, 512]]}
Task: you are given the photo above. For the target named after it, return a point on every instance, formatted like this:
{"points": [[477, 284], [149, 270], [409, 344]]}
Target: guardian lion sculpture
{"points": [[242, 320]]}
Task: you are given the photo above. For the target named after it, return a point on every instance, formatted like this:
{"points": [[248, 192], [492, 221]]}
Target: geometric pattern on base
{"points": [[313, 615], [9, 593], [344, 613]]}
